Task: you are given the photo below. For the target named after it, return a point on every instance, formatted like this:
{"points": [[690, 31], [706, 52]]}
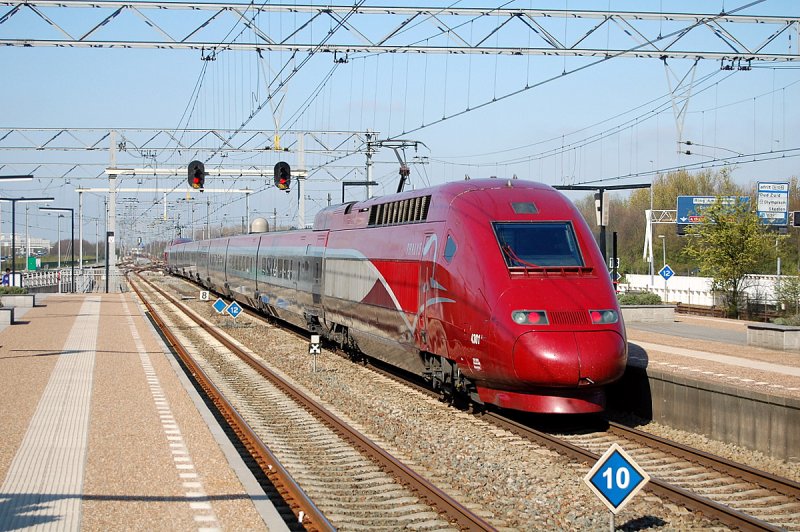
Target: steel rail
{"points": [[302, 506], [703, 505], [707, 507], [784, 486], [455, 511]]}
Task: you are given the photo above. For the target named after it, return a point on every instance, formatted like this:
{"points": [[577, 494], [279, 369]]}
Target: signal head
{"points": [[197, 174], [283, 176]]}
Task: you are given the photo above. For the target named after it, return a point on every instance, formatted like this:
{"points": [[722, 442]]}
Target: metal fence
{"points": [[87, 280]]}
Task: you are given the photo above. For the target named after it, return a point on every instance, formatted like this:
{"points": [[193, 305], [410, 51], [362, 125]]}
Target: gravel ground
{"points": [[513, 483]]}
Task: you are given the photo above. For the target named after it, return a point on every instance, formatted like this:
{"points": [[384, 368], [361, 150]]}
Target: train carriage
{"points": [[487, 288]]}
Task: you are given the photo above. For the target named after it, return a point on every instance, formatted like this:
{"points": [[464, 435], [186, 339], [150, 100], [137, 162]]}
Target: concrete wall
{"points": [[758, 421], [774, 336], [18, 300], [648, 313]]}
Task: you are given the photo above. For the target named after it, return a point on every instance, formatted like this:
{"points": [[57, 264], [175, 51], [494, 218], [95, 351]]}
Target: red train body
{"points": [[489, 288]]}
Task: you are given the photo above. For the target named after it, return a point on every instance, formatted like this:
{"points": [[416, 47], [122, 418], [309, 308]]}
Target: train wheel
{"points": [[442, 381]]}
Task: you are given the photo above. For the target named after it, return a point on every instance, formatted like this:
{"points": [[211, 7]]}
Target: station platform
{"points": [[698, 374], [717, 349], [102, 431]]}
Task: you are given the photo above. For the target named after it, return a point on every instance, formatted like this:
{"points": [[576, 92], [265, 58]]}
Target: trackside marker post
{"points": [[314, 349], [615, 479], [220, 305], [233, 310]]}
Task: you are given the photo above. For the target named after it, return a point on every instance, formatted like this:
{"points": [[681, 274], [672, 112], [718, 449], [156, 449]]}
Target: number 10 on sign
{"points": [[615, 479]]}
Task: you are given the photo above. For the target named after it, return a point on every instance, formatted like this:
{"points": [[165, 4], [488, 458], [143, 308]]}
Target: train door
{"points": [[427, 290], [260, 265], [317, 267]]}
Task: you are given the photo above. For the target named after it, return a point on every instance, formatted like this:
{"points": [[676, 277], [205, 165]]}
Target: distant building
{"points": [[38, 246]]}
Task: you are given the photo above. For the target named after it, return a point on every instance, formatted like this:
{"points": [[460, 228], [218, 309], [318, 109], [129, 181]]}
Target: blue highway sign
{"points": [[773, 203], [689, 208], [220, 305], [616, 478], [666, 272], [234, 309]]}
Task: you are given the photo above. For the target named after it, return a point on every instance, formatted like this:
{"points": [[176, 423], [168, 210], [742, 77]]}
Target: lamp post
{"points": [[58, 239], [664, 259], [72, 239], [6, 179], [14, 226]]}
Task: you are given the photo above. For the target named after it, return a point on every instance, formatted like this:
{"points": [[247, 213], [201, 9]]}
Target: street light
{"points": [[7, 178], [58, 239], [14, 225], [72, 237]]}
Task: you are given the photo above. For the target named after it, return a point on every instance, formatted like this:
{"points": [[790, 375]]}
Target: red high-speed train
{"points": [[491, 289]]}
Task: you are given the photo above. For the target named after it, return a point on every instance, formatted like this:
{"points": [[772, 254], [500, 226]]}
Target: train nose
{"points": [[567, 358]]}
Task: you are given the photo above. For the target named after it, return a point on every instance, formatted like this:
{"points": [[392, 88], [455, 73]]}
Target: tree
{"points": [[787, 293], [727, 246], [627, 216]]}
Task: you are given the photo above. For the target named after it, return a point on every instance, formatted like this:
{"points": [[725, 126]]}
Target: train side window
{"points": [[450, 248]]}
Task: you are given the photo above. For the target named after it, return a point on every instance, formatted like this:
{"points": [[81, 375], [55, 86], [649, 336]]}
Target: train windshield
{"points": [[538, 245]]}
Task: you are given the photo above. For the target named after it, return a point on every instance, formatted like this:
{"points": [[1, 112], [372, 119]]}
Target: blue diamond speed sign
{"points": [[616, 478], [234, 309], [220, 305]]}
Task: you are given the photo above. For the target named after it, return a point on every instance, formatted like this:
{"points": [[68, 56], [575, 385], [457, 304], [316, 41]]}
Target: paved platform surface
{"points": [[101, 430], [714, 349]]}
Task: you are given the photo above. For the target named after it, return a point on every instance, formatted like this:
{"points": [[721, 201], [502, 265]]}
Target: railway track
{"points": [[734, 494], [727, 493], [332, 475]]}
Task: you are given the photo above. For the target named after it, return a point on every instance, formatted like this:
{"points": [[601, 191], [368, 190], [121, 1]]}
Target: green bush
{"points": [[793, 321], [12, 290], [639, 298]]}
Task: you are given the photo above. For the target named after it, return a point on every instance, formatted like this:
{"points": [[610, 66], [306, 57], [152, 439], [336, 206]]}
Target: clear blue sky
{"points": [[549, 133]]}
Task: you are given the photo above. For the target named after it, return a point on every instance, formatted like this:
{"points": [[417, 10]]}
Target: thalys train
{"points": [[492, 290]]}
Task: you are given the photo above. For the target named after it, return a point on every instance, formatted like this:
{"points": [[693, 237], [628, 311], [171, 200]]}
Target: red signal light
{"points": [[197, 174], [283, 176]]}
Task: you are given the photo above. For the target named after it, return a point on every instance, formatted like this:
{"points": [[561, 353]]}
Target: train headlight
{"points": [[604, 316], [529, 317]]}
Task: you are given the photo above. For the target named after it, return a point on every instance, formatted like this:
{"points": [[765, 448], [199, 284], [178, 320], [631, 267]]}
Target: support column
{"points": [[111, 255], [80, 231], [369, 165], [301, 182]]}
